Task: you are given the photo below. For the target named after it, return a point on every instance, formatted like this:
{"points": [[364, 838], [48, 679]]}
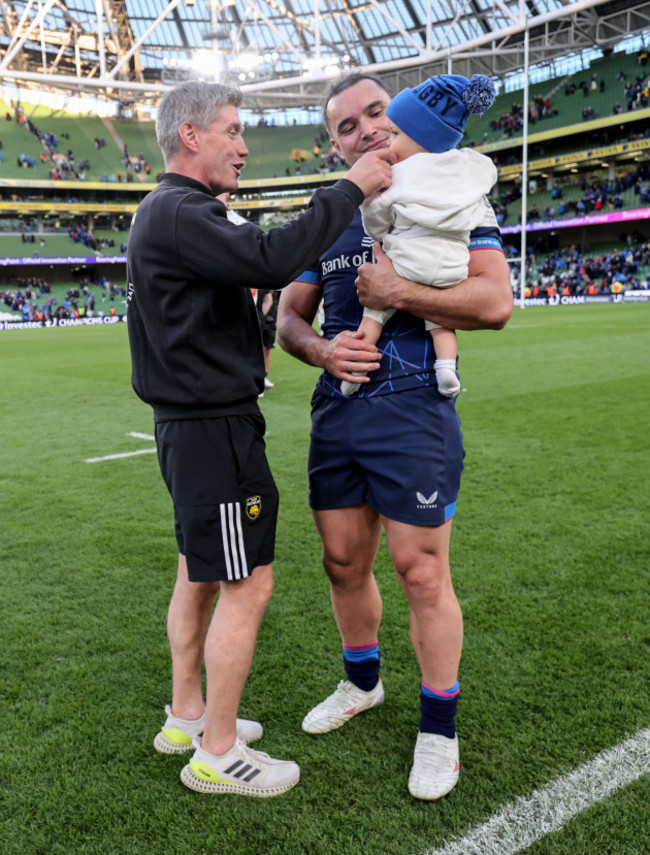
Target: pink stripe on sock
{"points": [[441, 693], [360, 646]]}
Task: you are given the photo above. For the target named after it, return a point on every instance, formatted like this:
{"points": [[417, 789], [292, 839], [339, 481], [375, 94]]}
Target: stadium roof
{"points": [[280, 52]]}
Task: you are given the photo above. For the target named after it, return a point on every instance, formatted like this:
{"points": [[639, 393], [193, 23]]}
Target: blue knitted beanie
{"points": [[434, 113]]}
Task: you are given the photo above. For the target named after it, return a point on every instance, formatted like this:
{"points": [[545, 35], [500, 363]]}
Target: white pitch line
{"points": [[126, 453], [519, 824], [117, 456]]}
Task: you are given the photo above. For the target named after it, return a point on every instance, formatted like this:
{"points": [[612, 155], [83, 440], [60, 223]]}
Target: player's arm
{"points": [[339, 356], [482, 301]]}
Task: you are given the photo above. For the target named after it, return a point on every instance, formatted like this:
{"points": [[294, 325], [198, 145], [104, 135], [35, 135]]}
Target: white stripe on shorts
{"points": [[233, 541]]}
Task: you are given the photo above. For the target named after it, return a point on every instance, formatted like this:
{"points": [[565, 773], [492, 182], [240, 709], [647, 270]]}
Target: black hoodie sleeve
{"points": [[211, 247]]}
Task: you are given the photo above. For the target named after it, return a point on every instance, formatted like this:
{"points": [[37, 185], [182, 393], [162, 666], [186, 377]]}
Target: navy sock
{"points": [[438, 710], [362, 665]]}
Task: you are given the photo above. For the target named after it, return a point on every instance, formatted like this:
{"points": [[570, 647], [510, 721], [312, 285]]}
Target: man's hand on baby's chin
{"points": [[371, 173]]}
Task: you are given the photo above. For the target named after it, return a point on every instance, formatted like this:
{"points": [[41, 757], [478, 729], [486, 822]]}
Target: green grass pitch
{"points": [[550, 560]]}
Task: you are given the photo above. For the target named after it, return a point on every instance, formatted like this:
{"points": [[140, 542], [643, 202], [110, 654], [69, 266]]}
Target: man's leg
{"points": [[421, 559], [223, 763], [350, 540], [229, 649], [188, 620]]}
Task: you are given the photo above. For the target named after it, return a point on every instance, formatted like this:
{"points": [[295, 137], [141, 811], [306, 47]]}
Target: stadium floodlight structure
{"points": [[282, 52]]}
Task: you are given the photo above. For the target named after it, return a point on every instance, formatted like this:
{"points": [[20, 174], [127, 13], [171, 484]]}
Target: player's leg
{"points": [[445, 346], [421, 558], [350, 539], [413, 462]]}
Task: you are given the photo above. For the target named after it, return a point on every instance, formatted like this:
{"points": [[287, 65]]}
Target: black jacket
{"points": [[193, 328]]}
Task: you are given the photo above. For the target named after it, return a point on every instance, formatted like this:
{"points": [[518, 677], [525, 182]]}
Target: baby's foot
{"points": [[348, 389], [448, 382]]}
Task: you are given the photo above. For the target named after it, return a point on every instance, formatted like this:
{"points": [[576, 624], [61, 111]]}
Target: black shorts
{"points": [[225, 498], [268, 334]]}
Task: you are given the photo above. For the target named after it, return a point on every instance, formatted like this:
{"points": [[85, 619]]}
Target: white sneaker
{"points": [[267, 383], [176, 734], [435, 766], [242, 770], [347, 701]]}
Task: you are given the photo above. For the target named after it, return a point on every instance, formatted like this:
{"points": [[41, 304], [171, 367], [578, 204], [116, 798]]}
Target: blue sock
{"points": [[362, 665], [438, 710]]}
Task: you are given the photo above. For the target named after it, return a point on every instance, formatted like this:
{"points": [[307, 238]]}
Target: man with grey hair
{"points": [[197, 360]]}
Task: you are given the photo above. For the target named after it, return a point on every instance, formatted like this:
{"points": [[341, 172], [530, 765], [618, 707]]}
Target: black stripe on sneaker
{"points": [[252, 774], [243, 771], [234, 766]]}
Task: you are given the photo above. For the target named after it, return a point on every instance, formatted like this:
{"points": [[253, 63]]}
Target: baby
{"points": [[437, 197]]}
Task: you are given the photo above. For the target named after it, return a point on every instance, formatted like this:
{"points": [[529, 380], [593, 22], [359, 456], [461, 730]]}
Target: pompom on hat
{"points": [[434, 113]]}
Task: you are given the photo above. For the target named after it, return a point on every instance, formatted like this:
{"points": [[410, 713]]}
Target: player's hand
{"points": [[372, 172], [377, 284], [347, 353]]}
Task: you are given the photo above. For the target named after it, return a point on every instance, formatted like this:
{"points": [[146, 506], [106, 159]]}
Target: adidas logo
{"points": [[246, 770]]}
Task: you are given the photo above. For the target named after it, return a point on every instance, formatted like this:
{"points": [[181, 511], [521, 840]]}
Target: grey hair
{"points": [[195, 102]]}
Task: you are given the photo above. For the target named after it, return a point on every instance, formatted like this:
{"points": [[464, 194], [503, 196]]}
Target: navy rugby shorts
{"points": [[401, 453], [225, 498]]}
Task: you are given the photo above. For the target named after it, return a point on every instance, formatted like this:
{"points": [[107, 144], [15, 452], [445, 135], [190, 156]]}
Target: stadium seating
{"points": [[104, 296], [57, 245], [569, 107], [270, 146], [543, 199], [288, 152]]}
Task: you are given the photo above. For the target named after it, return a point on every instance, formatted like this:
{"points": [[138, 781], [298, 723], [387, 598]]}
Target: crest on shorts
{"points": [[253, 507]]}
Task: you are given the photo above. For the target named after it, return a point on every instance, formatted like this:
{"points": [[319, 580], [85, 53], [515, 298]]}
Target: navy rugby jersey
{"points": [[407, 348]]}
